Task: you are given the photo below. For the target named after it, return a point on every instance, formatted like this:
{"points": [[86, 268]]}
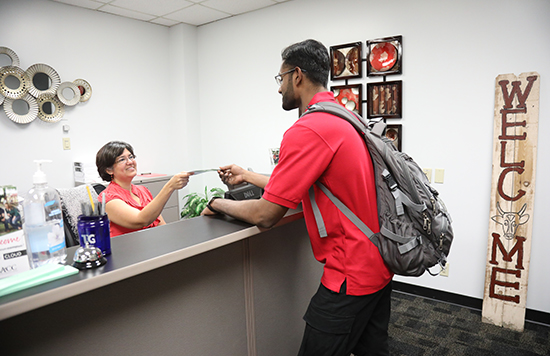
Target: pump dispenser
{"points": [[43, 222], [39, 176]]}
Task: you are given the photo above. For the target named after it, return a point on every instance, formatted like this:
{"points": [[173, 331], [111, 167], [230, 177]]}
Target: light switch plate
{"points": [[428, 173], [66, 143], [439, 175]]}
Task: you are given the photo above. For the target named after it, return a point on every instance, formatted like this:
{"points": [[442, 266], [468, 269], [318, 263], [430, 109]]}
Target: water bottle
{"points": [[43, 222]]}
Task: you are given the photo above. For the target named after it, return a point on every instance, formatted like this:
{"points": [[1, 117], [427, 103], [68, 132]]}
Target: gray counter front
{"points": [[204, 286]]}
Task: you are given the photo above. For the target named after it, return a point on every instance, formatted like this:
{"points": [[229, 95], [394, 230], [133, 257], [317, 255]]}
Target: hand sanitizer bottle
{"points": [[43, 222]]}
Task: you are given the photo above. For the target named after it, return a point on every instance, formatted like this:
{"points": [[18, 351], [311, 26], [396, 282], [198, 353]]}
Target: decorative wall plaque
{"points": [[515, 134]]}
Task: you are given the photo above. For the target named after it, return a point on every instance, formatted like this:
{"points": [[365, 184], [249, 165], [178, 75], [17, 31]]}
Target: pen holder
{"points": [[87, 209], [94, 231]]}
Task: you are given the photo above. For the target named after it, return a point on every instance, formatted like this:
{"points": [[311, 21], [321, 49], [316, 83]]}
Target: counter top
{"points": [[136, 253]]}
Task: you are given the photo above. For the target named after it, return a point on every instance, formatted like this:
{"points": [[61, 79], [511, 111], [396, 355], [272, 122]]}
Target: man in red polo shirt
{"points": [[351, 309]]}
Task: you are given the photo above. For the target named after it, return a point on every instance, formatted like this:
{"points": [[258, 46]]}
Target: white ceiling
{"points": [[172, 12]]}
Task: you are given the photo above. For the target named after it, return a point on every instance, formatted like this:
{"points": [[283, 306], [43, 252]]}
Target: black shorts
{"points": [[338, 324]]}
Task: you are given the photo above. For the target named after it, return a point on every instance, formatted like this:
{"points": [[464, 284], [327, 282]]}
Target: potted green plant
{"points": [[196, 203]]}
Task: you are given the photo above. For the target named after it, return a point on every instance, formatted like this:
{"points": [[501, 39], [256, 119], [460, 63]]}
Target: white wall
{"points": [[453, 52], [190, 98], [133, 68]]}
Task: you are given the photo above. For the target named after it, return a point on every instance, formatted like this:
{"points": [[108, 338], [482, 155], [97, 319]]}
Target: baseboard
{"points": [[462, 300]]}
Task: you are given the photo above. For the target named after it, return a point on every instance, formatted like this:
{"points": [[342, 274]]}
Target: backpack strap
{"points": [[317, 213], [401, 198], [343, 208], [406, 243]]}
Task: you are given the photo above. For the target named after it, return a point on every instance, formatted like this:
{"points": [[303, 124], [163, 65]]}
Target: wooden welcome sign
{"points": [[512, 196]]}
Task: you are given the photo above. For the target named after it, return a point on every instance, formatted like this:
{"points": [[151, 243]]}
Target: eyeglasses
{"points": [[279, 77], [124, 160]]}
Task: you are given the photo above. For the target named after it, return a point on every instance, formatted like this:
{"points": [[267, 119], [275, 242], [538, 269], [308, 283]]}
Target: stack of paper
{"points": [[85, 173]]}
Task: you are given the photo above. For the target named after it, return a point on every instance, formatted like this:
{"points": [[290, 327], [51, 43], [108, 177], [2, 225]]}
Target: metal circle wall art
{"points": [[50, 109], [85, 89], [36, 92], [68, 99], [14, 82], [11, 54], [47, 75], [29, 116]]}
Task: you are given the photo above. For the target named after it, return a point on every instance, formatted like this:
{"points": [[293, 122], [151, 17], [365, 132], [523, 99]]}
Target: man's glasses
{"points": [[279, 77], [124, 160]]}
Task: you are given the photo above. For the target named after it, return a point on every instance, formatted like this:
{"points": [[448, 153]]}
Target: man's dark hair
{"points": [[311, 56], [107, 155]]}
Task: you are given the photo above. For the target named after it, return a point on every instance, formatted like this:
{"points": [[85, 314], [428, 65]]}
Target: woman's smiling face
{"points": [[125, 166]]}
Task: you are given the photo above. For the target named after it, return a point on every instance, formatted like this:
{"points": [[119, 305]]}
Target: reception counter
{"points": [[204, 286]]}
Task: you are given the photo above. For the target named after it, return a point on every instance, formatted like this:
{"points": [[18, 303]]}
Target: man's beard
{"points": [[289, 101]]}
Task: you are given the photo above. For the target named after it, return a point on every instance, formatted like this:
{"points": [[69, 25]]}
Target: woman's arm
{"points": [[162, 222], [129, 217]]}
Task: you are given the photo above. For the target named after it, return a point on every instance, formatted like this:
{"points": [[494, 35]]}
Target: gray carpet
{"points": [[425, 327]]}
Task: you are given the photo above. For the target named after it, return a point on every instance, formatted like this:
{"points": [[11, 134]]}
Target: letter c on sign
{"points": [[503, 174]]}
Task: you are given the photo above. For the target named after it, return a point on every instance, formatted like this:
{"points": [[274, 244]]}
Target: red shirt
{"points": [[115, 191], [320, 146]]}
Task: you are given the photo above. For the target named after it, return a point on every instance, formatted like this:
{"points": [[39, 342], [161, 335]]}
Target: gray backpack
{"points": [[415, 227]]}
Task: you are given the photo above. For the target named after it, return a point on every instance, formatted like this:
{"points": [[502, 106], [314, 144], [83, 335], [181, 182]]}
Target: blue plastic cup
{"points": [[94, 231]]}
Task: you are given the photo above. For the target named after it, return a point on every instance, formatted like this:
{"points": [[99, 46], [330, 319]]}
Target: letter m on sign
{"points": [[515, 133]]}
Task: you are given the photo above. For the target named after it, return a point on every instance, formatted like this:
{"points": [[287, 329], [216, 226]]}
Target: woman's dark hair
{"points": [[311, 56], [107, 155]]}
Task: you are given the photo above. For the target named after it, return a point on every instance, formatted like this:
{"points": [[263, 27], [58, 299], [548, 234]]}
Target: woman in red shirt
{"points": [[131, 207]]}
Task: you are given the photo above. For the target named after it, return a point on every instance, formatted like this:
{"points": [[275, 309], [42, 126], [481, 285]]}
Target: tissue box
{"points": [[13, 250]]}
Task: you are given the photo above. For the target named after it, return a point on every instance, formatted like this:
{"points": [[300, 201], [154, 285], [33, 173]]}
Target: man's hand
{"points": [[208, 212], [232, 174]]}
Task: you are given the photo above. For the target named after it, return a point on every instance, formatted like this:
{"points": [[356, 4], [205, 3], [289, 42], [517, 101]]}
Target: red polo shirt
{"points": [[320, 146], [115, 191]]}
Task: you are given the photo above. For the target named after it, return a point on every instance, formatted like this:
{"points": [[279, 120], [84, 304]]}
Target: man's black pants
{"points": [[338, 324]]}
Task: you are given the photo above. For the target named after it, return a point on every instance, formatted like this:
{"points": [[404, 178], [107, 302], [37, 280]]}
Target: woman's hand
{"points": [[178, 181]]}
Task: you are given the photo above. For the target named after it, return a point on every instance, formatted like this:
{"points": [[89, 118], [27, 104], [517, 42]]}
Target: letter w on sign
{"points": [[515, 136]]}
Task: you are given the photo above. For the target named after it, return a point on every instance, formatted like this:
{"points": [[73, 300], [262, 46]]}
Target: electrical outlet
{"points": [[66, 143], [445, 271]]}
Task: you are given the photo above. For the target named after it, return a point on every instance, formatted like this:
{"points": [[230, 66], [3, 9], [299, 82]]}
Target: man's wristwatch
{"points": [[209, 205]]}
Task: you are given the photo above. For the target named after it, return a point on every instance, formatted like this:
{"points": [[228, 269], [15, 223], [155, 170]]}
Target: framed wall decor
{"points": [[384, 99], [274, 156], [384, 56], [346, 61], [395, 134], [349, 96]]}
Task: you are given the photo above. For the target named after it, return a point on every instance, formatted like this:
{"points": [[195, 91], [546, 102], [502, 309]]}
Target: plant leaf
{"points": [[195, 203], [200, 208], [217, 192]]}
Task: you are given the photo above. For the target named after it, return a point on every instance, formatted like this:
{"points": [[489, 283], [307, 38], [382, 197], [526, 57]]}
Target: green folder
{"points": [[34, 277]]}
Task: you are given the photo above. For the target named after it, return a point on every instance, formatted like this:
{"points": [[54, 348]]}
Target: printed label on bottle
{"points": [[55, 212], [56, 238]]}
